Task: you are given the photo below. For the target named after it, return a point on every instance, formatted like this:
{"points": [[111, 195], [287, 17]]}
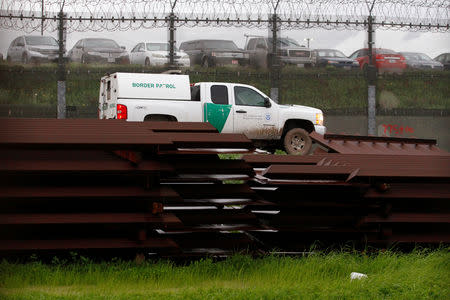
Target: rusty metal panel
{"points": [[153, 243], [91, 218], [347, 144], [408, 218]]}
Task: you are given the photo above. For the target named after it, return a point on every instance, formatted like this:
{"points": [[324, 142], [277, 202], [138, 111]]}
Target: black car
{"points": [[335, 58], [416, 60], [444, 59], [98, 50], [214, 52]]}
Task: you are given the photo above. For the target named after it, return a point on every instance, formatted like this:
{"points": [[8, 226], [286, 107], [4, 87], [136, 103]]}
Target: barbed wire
{"points": [[122, 15]]}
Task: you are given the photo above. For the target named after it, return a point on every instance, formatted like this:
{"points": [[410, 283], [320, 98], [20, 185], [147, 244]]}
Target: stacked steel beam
{"points": [[159, 187], [372, 190], [111, 184]]}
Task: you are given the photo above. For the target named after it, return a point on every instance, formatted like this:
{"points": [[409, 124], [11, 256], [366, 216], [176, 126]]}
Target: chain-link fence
{"points": [[73, 88]]}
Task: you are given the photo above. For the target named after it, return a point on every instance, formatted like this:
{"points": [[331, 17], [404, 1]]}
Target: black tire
{"points": [[297, 141], [147, 62]]}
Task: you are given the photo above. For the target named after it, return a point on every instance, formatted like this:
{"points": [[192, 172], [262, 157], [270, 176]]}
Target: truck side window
{"points": [[195, 93], [219, 94], [247, 97]]}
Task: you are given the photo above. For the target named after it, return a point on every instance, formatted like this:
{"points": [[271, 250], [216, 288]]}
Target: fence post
{"points": [[61, 106], [172, 30], [371, 82], [274, 65]]}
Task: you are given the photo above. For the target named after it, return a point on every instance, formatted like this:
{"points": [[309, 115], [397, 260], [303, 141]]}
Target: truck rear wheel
{"points": [[297, 141]]}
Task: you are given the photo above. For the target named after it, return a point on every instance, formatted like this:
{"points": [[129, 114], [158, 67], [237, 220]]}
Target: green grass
{"points": [[416, 275], [323, 88]]}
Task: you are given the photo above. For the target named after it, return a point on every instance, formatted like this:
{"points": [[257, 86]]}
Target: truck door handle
{"points": [[241, 112]]}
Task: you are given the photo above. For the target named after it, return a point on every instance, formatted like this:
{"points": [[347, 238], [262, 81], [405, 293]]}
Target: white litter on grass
{"points": [[356, 275]]}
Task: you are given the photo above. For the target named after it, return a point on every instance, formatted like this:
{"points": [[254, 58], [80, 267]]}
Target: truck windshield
{"points": [[220, 45], [285, 42]]}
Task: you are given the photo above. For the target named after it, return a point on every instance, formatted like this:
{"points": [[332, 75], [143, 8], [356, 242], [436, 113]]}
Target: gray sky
{"points": [[345, 40]]}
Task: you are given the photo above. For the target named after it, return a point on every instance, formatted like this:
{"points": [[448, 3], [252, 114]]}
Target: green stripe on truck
{"points": [[216, 114]]}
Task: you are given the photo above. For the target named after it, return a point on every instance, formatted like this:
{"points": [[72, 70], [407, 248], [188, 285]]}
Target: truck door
{"points": [[217, 108], [252, 116]]}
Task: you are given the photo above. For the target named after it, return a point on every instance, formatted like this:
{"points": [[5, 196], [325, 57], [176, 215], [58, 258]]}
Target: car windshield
{"points": [[41, 40], [416, 56], [330, 53], [285, 42], [159, 47], [220, 45], [101, 44]]}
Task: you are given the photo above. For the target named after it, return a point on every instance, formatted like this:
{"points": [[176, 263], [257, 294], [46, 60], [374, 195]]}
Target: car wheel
{"points": [[25, 58], [147, 62], [297, 141]]}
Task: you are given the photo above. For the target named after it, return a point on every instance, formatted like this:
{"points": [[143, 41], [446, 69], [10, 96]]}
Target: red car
{"points": [[384, 60]]}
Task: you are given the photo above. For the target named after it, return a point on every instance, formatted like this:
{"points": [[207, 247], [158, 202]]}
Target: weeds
{"points": [[422, 274]]}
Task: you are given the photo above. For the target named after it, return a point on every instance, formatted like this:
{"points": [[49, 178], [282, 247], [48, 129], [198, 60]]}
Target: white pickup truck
{"points": [[230, 107]]}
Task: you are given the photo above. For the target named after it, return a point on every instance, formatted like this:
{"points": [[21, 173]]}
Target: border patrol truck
{"points": [[229, 107]]}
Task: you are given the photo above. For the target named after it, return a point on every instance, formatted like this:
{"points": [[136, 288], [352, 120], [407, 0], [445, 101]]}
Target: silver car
{"points": [[31, 48], [415, 60]]}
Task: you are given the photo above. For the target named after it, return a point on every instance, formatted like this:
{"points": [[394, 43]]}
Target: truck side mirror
{"points": [[267, 103]]}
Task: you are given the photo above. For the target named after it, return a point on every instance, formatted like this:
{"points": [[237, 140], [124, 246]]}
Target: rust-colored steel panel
{"points": [[179, 127], [410, 191], [155, 243], [213, 167], [409, 218], [79, 192], [263, 161], [341, 173], [346, 144], [91, 218]]}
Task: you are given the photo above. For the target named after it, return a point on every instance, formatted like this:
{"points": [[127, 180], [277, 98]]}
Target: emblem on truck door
{"points": [[268, 117]]}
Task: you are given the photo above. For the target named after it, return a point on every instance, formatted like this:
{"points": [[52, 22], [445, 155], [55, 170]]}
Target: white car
{"points": [[156, 54]]}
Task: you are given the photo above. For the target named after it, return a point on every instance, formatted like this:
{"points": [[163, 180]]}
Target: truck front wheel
{"points": [[297, 141]]}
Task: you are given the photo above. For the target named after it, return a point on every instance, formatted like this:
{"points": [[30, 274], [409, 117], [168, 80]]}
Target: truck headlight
{"points": [[319, 119]]}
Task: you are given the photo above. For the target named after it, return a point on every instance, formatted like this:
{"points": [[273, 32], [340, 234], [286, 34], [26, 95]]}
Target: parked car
{"points": [[335, 58], [99, 50], [33, 48], [416, 60], [156, 54], [214, 52], [385, 60], [259, 50], [444, 59]]}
